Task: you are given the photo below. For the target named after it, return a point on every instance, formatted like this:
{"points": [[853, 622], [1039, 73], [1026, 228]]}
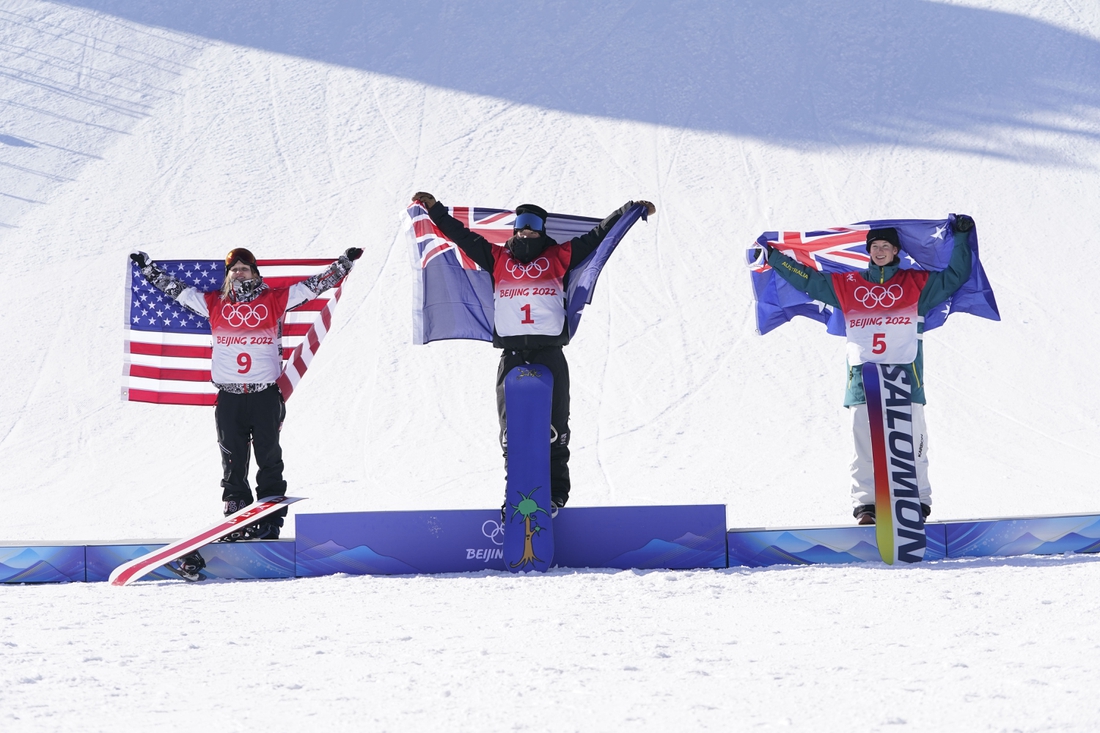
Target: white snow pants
{"points": [[863, 472]]}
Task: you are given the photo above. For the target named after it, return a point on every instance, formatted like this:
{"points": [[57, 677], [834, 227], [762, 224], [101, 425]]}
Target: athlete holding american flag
{"points": [[246, 320]]}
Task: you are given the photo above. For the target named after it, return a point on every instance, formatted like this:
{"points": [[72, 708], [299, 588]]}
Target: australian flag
{"points": [[926, 244], [454, 297]]}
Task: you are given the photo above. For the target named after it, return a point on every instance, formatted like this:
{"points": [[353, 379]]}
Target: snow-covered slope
{"points": [[186, 131], [299, 129]]}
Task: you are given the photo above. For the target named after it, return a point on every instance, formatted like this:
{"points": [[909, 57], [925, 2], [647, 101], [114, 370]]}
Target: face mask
{"points": [[246, 289], [526, 249]]}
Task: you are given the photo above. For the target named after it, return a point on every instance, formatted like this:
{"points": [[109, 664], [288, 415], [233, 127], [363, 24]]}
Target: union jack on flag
{"points": [[493, 224], [926, 245], [832, 250], [168, 348]]}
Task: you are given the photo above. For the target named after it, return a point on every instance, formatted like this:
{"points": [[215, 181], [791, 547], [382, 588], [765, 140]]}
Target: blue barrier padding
{"points": [[643, 537], [397, 543], [756, 548], [1024, 536], [394, 543], [236, 560], [41, 563]]}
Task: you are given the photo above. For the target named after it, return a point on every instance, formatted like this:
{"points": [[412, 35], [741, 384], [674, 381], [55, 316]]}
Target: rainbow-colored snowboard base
{"points": [[899, 521]]}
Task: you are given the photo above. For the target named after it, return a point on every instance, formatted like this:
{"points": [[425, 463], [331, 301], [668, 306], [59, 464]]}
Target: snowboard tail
{"points": [[528, 530], [127, 573]]}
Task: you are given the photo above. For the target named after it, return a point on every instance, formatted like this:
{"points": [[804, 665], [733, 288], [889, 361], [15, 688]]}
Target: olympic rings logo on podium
{"points": [[879, 296], [244, 314], [493, 530], [532, 269]]}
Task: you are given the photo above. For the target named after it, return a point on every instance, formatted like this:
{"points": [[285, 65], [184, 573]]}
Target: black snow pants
{"points": [[553, 359], [251, 420]]}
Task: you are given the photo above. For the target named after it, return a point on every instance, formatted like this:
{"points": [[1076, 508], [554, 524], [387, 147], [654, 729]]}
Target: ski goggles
{"points": [[533, 222], [240, 255]]}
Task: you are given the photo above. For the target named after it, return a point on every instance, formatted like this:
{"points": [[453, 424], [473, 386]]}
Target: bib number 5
{"points": [[878, 343]]}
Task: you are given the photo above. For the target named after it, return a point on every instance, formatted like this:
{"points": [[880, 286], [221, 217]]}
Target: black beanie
{"points": [[888, 234]]}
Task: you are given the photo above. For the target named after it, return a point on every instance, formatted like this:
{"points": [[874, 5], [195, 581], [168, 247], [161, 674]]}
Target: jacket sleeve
{"points": [[943, 284], [817, 285], [187, 296], [311, 287], [477, 248], [587, 243]]}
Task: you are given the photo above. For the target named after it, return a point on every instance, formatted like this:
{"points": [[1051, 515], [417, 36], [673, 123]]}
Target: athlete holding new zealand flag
{"points": [[529, 276], [884, 308], [246, 320]]}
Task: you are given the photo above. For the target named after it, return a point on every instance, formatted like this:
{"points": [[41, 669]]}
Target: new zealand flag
{"points": [[454, 297]]}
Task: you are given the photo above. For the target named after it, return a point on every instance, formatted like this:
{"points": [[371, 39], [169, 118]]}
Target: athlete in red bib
{"points": [[530, 274], [246, 322], [884, 308]]}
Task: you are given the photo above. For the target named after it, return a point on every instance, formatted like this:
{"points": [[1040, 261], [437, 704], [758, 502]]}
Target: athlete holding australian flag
{"points": [[884, 308]]}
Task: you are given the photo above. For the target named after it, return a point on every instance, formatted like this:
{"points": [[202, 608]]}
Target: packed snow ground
{"points": [[302, 129]]}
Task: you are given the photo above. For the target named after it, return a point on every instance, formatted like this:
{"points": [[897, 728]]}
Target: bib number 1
{"points": [[526, 313]]}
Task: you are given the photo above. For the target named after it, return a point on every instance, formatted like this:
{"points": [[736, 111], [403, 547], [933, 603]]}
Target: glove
{"points": [[757, 255], [353, 253], [650, 209], [963, 223], [140, 259], [424, 199]]}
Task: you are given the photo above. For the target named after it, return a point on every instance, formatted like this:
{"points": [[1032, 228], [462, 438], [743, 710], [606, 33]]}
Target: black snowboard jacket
{"points": [[480, 250]]}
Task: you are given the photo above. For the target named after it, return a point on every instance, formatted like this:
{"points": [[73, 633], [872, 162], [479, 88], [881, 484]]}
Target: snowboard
{"points": [[899, 521], [135, 569], [528, 531]]}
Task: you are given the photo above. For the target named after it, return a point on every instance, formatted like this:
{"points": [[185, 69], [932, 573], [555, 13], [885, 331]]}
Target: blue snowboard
{"points": [[528, 532]]}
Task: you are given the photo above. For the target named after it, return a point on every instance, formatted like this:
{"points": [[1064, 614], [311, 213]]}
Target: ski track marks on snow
{"points": [[189, 129], [771, 649]]}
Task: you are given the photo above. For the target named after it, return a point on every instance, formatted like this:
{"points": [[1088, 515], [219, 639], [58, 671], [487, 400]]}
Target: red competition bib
{"points": [[529, 299], [880, 319], [247, 346]]}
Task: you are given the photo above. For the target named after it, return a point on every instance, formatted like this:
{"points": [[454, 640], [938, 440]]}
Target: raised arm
{"points": [[817, 285], [477, 248], [943, 284], [311, 287], [587, 243], [187, 296]]}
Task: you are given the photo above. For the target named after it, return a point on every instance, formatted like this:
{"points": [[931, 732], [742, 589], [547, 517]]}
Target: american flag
{"points": [[454, 297], [167, 356], [926, 245]]}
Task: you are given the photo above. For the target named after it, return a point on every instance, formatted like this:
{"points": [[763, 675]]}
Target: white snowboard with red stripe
{"points": [[142, 566]]}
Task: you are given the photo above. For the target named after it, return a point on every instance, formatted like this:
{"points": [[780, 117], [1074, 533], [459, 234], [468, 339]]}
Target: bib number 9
{"points": [[245, 362]]}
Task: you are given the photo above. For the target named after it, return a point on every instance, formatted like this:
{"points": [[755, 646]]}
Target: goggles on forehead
{"points": [[529, 221], [240, 255]]}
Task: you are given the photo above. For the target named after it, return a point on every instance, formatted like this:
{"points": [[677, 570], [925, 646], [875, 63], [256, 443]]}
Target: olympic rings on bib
{"points": [[244, 314], [878, 296], [532, 269]]}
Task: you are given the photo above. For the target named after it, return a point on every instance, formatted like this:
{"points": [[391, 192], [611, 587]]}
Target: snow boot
{"points": [[188, 567], [864, 514]]}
